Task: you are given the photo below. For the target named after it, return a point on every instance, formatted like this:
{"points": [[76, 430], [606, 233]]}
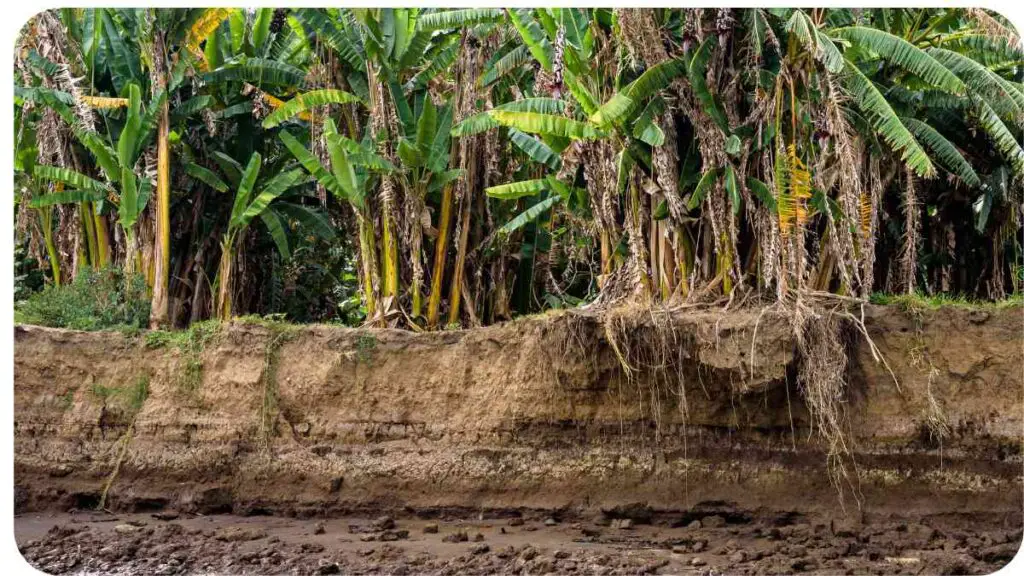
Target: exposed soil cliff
{"points": [[537, 413]]}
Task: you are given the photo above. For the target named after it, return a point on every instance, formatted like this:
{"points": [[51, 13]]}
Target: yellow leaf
{"points": [[104, 102], [209, 21]]}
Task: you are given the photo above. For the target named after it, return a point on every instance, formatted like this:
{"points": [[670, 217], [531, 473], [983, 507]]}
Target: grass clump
{"points": [[365, 346], [917, 301], [95, 300], [129, 398], [190, 343], [280, 333]]}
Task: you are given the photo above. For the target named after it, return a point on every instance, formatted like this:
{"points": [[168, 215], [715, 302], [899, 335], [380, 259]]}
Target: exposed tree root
{"points": [[653, 358], [822, 382], [124, 440]]}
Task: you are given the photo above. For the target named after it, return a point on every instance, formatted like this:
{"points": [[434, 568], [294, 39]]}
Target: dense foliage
{"points": [[426, 168], [94, 300]]}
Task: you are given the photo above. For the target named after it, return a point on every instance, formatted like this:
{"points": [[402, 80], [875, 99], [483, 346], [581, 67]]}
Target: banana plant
{"points": [[265, 199], [424, 171], [127, 191], [354, 167]]}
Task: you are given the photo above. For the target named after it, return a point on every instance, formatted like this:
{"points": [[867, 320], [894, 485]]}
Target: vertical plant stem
{"points": [[367, 250], [684, 253], [102, 238], [440, 255], [460, 261], [225, 279], [46, 217], [162, 258], [89, 229], [668, 261]]}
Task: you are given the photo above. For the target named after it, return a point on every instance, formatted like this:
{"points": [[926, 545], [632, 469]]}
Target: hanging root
{"points": [[821, 376], [935, 418], [647, 347], [124, 440]]}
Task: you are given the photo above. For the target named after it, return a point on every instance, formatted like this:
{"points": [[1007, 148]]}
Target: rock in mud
{"points": [[623, 524], [697, 561], [550, 522], [384, 523], [124, 528], [431, 529], [639, 513], [478, 549], [653, 567], [459, 536], [714, 521], [517, 521], [166, 516], [327, 567], [236, 534], [311, 548], [319, 528]]}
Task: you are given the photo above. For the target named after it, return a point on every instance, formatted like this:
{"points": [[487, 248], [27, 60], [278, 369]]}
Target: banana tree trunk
{"points": [[606, 259], [102, 238], [380, 124], [225, 279], [161, 282], [368, 260], [388, 235], [440, 254], [460, 261], [668, 261], [46, 217], [131, 253], [684, 253], [89, 229]]}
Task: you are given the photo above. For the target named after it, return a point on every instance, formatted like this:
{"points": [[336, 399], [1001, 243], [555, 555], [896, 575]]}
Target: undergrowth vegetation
{"points": [[96, 300]]}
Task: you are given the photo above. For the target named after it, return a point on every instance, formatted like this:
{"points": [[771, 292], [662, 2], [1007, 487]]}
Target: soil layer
{"points": [[562, 415]]}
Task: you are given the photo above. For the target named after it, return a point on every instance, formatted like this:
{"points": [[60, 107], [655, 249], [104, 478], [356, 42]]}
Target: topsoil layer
{"points": [[537, 417]]}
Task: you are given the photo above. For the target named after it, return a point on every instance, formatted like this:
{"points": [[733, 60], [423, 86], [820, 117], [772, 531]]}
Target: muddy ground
{"points": [[711, 540]]}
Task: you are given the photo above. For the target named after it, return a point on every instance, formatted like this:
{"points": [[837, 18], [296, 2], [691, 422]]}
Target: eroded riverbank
{"points": [[270, 423]]}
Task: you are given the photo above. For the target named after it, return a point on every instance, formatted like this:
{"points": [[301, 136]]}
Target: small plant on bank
{"points": [[364, 348], [918, 302], [132, 398], [190, 343], [96, 300], [129, 398]]}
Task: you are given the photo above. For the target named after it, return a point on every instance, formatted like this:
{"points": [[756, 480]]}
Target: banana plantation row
{"points": [[426, 167]]}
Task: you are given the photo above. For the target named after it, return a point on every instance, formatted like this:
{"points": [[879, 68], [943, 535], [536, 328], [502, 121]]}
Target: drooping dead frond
{"points": [[991, 26], [911, 236], [793, 195], [201, 29], [104, 103], [263, 102]]}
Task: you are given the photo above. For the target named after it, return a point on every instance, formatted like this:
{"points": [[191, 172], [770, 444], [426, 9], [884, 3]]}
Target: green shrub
{"points": [[96, 300]]}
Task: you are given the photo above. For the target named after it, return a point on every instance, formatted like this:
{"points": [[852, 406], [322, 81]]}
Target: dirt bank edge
{"points": [[536, 413]]}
